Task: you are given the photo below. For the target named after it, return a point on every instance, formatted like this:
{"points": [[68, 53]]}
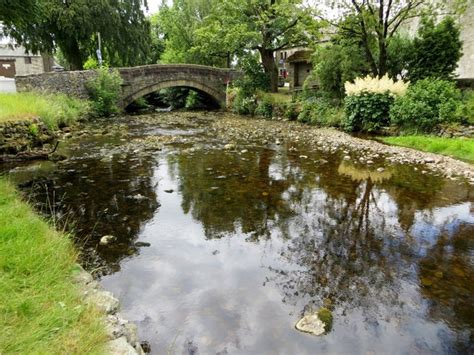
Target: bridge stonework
{"points": [[137, 81]]}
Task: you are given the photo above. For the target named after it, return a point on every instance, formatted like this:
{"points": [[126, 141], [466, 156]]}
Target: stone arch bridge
{"points": [[137, 81]]}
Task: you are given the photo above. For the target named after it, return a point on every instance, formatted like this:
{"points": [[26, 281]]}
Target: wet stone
{"points": [[311, 324]]}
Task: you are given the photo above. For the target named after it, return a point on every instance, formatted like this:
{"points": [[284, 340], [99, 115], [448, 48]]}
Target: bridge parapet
{"points": [[137, 81]]}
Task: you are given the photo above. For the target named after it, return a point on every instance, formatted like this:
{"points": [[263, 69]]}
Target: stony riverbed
{"points": [[218, 233]]}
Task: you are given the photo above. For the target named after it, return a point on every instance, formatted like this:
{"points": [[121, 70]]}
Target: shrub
{"points": [[466, 110], [265, 107], [376, 85], [243, 104], [367, 112], [291, 110], [368, 102], [104, 91], [91, 63], [427, 104], [321, 112], [195, 100]]}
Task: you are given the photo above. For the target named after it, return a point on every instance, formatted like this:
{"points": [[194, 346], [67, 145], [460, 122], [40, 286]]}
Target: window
{"points": [[281, 55], [27, 60]]}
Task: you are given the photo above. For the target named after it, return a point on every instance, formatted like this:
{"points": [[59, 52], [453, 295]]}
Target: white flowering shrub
{"points": [[376, 85], [368, 102]]}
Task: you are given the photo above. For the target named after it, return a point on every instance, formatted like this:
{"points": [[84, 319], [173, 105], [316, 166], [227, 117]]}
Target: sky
{"points": [[153, 6]]}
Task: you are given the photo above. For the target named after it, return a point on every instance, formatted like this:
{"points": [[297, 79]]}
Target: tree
{"points": [[72, 27], [336, 63], [266, 26], [435, 51], [178, 27], [374, 24], [22, 12]]}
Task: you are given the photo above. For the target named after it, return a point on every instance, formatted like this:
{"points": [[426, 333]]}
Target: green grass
{"points": [[455, 147], [282, 96], [55, 110], [41, 311]]}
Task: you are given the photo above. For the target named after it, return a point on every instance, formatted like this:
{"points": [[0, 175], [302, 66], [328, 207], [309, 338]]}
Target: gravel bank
{"points": [[233, 128]]}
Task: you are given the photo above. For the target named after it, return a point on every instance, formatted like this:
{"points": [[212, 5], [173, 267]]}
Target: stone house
{"points": [[15, 60], [281, 59], [300, 68]]}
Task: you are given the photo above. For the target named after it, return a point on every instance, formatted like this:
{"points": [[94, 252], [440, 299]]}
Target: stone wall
{"points": [[67, 82], [20, 136]]}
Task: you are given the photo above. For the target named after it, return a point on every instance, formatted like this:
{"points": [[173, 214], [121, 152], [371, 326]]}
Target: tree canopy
{"points": [[72, 25], [214, 32]]}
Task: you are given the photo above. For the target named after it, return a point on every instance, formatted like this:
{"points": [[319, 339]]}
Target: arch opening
{"points": [[212, 97]]}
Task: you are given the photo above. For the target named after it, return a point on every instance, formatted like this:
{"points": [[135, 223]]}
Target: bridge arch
{"points": [[218, 96]]}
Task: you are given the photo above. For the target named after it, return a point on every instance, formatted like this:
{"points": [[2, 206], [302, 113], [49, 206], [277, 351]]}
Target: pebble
{"points": [[107, 239]]}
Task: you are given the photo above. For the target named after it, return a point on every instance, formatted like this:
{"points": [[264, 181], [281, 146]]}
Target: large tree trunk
{"points": [[270, 68], [73, 54], [383, 57]]}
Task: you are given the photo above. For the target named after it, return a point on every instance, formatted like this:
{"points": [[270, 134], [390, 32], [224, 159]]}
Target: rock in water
{"points": [[106, 239], [311, 324]]}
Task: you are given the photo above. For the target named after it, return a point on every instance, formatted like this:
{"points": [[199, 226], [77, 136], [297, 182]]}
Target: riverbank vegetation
{"points": [[56, 110], [41, 310], [455, 147]]}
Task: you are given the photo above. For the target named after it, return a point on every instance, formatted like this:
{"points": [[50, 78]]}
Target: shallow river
{"points": [[243, 241]]}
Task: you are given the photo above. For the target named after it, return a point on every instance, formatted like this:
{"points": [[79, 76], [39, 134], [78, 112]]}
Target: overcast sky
{"points": [[153, 6]]}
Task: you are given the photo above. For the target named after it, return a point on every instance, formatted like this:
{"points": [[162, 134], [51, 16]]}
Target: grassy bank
{"points": [[456, 147], [55, 110], [40, 308]]}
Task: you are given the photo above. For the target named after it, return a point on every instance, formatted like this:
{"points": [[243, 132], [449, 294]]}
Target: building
{"points": [[281, 58], [14, 60], [300, 67]]}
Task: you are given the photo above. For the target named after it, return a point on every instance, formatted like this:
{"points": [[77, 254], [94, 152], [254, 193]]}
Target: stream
{"points": [[223, 244]]}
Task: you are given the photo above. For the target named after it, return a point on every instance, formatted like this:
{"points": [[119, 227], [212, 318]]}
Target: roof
{"points": [[300, 56]]}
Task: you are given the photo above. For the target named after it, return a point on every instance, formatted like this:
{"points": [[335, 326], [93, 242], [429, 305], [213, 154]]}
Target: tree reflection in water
{"points": [[92, 207], [348, 230]]}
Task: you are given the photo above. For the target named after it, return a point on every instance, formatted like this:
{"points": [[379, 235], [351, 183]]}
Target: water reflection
{"points": [[243, 242], [96, 197]]}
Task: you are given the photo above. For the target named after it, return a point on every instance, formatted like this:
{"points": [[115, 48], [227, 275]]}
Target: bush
{"points": [[466, 111], [321, 112], [265, 107], [104, 91], [243, 104], [291, 110], [367, 112], [376, 85], [427, 104], [368, 102]]}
